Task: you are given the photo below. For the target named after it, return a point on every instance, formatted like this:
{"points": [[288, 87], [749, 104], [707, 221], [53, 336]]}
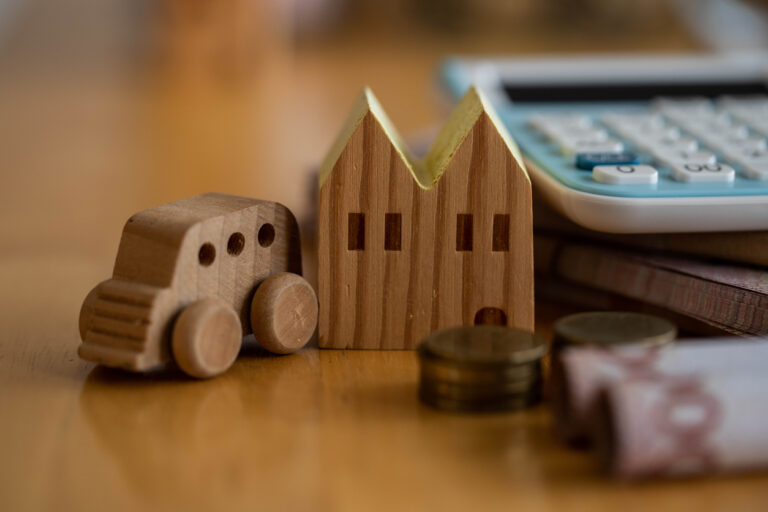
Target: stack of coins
{"points": [[481, 368], [610, 328]]}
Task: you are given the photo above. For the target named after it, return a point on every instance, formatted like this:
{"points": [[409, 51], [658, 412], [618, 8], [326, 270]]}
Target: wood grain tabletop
{"points": [[88, 140]]}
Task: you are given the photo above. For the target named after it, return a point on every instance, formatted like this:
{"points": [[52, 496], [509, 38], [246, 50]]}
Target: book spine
{"points": [[621, 274]]}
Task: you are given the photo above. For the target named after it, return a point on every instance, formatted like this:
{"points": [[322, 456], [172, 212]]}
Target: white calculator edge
{"points": [[653, 214], [627, 214]]}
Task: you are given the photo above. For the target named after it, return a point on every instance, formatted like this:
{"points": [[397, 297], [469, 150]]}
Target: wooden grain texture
{"points": [[284, 313], [211, 245], [446, 271]]}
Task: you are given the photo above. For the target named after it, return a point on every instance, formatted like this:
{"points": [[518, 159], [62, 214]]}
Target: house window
{"points": [[501, 232], [464, 232], [356, 232], [392, 231]]}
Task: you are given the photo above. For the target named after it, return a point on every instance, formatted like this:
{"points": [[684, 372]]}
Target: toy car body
{"points": [[212, 246]]}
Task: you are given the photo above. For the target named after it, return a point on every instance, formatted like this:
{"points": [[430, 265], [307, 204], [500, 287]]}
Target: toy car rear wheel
{"points": [[206, 338], [284, 313]]}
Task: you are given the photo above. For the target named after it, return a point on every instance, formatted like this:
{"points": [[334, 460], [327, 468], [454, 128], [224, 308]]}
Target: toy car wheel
{"points": [[206, 338], [284, 313]]}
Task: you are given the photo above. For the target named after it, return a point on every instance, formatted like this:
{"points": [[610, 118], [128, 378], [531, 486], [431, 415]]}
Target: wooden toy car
{"points": [[192, 278]]}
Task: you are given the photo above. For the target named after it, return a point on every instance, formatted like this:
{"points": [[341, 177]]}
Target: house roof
{"points": [[426, 171]]}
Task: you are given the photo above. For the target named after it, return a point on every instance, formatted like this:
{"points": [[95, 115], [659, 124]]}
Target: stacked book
{"points": [[708, 283]]}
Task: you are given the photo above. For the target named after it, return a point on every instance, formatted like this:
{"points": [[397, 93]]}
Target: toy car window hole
{"points": [[266, 235], [207, 254], [235, 244]]}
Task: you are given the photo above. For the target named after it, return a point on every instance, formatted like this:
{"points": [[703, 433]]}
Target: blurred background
{"points": [[111, 106]]}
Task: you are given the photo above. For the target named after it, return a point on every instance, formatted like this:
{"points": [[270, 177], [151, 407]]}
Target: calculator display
{"points": [[549, 93]]}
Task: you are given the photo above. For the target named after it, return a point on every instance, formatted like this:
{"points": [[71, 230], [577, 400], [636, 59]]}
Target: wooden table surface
{"points": [[83, 148]]}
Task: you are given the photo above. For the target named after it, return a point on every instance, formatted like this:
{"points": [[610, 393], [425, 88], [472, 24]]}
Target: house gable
{"points": [[427, 171]]}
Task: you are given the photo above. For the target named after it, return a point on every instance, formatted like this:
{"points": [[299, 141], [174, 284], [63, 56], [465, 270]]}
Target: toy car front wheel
{"points": [[206, 338]]}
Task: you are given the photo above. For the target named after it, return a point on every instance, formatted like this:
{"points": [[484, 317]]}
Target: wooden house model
{"points": [[407, 245]]}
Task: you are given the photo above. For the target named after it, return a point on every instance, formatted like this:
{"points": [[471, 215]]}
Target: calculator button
{"points": [[745, 107], [587, 161], [713, 134], [681, 108], [746, 101], [703, 173], [683, 143], [613, 118], [644, 133], [756, 120], [719, 143], [747, 157], [749, 148], [631, 122], [672, 158], [713, 119], [760, 125], [542, 122], [684, 103], [750, 116], [571, 147], [625, 174], [756, 171], [558, 133], [749, 144]]}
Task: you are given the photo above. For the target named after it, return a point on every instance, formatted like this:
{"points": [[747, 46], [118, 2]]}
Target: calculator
{"points": [[636, 144]]}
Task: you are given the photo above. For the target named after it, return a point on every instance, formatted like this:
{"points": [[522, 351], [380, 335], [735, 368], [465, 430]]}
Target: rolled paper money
{"points": [[674, 426], [579, 374]]}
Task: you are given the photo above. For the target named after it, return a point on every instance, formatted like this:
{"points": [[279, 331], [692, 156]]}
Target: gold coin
{"points": [[442, 370], [484, 345], [606, 328]]}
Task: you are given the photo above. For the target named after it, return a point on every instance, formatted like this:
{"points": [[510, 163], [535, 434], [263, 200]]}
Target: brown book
{"points": [[731, 297], [552, 289]]}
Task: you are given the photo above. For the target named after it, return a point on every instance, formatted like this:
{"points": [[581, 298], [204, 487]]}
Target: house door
{"points": [[490, 316]]}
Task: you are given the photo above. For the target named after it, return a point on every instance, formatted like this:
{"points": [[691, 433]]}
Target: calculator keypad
{"points": [[696, 139]]}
